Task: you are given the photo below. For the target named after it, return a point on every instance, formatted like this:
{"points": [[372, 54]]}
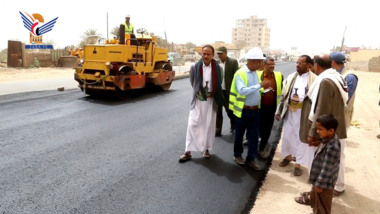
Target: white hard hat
{"points": [[127, 16], [255, 53]]}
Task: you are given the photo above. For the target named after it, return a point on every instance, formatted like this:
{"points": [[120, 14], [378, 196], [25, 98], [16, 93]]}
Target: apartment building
{"points": [[251, 32]]}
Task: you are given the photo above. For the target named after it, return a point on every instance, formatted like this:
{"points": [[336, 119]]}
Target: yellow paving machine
{"points": [[124, 65]]}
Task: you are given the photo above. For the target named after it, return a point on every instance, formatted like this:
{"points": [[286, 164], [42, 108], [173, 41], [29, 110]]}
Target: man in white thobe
{"points": [[206, 79], [289, 109]]}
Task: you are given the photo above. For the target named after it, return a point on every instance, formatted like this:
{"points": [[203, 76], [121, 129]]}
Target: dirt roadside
{"points": [[16, 80], [362, 153], [15, 74]]}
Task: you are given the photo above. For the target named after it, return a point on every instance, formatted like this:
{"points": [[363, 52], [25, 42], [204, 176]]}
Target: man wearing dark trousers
{"points": [[230, 66], [245, 103], [269, 101]]}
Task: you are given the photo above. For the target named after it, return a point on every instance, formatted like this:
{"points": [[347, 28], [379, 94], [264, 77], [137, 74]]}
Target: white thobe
{"points": [[202, 119], [223, 66], [291, 143], [339, 186]]}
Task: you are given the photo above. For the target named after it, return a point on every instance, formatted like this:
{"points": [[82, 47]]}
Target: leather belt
{"points": [[297, 105], [251, 107]]}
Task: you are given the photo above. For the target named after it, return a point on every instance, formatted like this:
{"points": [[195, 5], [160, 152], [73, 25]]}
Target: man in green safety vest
{"points": [[128, 25], [244, 102], [270, 98]]}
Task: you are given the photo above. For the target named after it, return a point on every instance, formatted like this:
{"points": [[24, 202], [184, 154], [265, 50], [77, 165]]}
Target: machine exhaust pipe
{"points": [[122, 34]]}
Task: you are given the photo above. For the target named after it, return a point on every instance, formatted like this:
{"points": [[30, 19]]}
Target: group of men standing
{"points": [[242, 92], [253, 97]]}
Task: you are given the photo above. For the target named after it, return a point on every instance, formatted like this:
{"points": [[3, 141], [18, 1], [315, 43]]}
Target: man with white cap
{"points": [[128, 25], [244, 102]]}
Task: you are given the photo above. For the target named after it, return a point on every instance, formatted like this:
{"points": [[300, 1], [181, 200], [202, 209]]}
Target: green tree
{"points": [[160, 41], [115, 32], [85, 35], [3, 55], [49, 42], [189, 46]]}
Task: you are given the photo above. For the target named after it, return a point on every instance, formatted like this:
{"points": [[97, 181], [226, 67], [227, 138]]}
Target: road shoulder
{"points": [[362, 161]]}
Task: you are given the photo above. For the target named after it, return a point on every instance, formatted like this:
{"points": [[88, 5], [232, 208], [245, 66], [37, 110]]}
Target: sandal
{"points": [[337, 193], [185, 157], [284, 162], [305, 200], [206, 154], [305, 193], [297, 171]]}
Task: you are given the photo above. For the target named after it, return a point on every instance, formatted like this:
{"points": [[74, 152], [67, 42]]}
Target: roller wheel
{"points": [[166, 86]]}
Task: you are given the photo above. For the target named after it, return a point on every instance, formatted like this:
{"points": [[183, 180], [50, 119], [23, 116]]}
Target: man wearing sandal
{"points": [[206, 80], [295, 89]]}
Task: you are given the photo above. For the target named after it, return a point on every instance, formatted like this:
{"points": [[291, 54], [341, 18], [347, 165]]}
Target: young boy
{"points": [[325, 167]]}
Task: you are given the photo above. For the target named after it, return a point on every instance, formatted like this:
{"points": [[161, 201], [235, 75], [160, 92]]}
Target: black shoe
{"points": [[252, 164], [218, 134]]}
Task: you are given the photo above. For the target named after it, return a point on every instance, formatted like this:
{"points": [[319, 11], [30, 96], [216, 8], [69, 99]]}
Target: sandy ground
{"points": [[13, 80], [16, 80], [16, 74], [362, 175]]}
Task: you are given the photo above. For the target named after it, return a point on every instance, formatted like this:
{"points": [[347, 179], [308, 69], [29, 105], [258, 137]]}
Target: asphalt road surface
{"points": [[64, 152]]}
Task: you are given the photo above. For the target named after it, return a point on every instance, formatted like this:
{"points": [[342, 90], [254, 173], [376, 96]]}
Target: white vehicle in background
{"points": [[175, 58], [192, 57]]}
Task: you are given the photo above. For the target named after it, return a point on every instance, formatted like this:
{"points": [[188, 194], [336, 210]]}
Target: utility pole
{"points": [[166, 39], [341, 46], [107, 25]]}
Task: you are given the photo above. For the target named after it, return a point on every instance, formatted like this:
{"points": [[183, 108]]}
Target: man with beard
{"points": [[295, 89], [206, 79]]}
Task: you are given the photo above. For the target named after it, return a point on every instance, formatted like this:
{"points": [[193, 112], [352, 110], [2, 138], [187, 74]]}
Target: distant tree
{"points": [[49, 42], [189, 46], [85, 35], [160, 41], [115, 32], [3, 55], [70, 47]]}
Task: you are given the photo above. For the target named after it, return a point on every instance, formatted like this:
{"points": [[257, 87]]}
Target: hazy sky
{"points": [[308, 25]]}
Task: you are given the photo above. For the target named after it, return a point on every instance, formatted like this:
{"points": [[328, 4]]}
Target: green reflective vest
{"points": [[278, 80], [237, 101], [128, 29]]}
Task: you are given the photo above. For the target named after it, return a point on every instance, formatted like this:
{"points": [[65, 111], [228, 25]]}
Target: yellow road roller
{"points": [[124, 65]]}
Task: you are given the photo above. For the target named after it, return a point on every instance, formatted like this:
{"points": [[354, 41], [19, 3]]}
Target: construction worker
{"points": [[244, 102], [128, 25]]}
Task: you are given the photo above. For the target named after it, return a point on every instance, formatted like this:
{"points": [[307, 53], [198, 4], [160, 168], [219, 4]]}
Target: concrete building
{"points": [[251, 32]]}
